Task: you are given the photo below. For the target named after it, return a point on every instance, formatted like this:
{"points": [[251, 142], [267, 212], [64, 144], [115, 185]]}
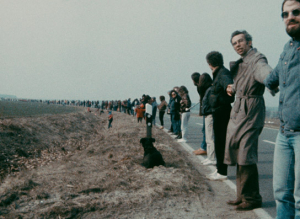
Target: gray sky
{"points": [[116, 49]]}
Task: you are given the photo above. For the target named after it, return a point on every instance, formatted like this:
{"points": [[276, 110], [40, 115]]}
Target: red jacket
{"points": [[139, 112]]}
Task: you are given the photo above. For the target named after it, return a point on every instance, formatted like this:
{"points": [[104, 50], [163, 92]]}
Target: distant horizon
{"points": [[108, 49], [157, 100]]}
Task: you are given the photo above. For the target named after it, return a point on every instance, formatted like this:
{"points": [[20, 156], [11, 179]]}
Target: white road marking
{"points": [[271, 142], [271, 128], [199, 123], [261, 213]]}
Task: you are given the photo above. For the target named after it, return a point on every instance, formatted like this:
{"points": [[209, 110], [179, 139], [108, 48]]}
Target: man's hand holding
{"points": [[230, 90], [274, 92]]}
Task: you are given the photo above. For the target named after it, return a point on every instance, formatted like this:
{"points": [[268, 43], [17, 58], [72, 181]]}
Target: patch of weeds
{"points": [[93, 190], [29, 185]]}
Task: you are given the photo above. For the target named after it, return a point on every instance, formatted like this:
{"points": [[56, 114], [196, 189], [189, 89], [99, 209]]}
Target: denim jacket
{"points": [[206, 108], [286, 75]]}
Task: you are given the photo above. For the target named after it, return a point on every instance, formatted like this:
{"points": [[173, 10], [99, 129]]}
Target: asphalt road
{"points": [[265, 157]]}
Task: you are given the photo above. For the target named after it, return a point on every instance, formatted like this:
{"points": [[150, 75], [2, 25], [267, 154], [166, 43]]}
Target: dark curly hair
{"points": [[215, 59], [195, 77], [204, 83]]}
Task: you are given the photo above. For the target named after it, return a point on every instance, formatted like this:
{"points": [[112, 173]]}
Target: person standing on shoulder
{"points": [[202, 150], [139, 110], [110, 119], [174, 111], [206, 110], [185, 104], [154, 110], [246, 119], [162, 107], [286, 75], [220, 102]]}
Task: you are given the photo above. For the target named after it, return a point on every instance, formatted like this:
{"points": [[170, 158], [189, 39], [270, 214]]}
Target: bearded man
{"points": [[246, 119], [286, 75]]}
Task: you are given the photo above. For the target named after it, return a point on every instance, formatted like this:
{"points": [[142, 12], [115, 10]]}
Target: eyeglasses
{"points": [[295, 13], [173, 94]]}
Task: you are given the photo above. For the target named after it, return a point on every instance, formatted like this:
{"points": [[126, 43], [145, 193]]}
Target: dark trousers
{"points": [[247, 187], [139, 119], [203, 145], [171, 129], [109, 123], [221, 118], [161, 117]]}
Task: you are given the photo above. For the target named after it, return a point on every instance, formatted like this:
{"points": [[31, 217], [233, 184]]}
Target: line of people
{"points": [[234, 130], [231, 132]]}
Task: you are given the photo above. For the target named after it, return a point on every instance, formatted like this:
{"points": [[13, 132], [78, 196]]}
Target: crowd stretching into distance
{"points": [[233, 110]]}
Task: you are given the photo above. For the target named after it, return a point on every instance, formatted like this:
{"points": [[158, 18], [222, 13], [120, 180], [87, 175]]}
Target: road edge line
{"points": [[260, 212]]}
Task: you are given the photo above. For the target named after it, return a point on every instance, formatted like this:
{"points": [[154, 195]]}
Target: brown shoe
{"points": [[246, 206], [200, 152], [234, 202]]}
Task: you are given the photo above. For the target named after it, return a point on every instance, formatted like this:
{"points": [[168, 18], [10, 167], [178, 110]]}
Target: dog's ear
{"points": [[142, 140], [152, 139]]}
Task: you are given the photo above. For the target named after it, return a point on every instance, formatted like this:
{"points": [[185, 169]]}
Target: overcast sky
{"points": [[116, 49]]}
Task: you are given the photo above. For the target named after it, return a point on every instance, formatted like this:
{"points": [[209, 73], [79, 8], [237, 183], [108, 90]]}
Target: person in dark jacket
{"points": [[206, 110], [174, 111], [220, 101], [162, 107], [168, 111], [196, 80], [128, 106], [185, 104], [110, 119]]}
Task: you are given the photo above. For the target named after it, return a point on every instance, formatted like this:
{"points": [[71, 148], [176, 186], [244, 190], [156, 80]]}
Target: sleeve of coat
{"points": [[262, 70], [226, 80], [272, 80]]}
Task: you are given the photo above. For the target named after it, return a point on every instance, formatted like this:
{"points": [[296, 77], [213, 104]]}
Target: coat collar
{"points": [[215, 72], [249, 55]]}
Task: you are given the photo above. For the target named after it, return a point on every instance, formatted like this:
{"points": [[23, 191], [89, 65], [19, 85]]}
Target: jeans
{"points": [[184, 123], [203, 144], [175, 124], [154, 119], [286, 176]]}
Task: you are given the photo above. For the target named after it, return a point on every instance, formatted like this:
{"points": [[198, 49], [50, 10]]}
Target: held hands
{"points": [[273, 92], [230, 90]]}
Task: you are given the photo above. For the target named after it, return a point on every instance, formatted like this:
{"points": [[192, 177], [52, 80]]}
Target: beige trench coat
{"points": [[248, 113]]}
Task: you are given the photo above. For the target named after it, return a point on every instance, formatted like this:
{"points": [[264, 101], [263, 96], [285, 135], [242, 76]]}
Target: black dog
{"points": [[152, 157]]}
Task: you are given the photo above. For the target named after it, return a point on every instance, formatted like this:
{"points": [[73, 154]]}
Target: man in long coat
{"points": [[246, 119]]}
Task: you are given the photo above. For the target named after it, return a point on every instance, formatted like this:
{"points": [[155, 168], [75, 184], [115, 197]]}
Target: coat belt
{"points": [[249, 96]]}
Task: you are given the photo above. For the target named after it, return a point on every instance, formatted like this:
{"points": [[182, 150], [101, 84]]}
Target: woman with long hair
{"points": [[185, 105]]}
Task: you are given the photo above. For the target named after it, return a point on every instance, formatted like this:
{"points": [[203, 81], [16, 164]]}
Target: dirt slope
{"points": [[71, 166]]}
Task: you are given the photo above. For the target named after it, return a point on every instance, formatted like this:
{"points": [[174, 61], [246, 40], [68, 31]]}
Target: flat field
{"points": [[10, 109]]}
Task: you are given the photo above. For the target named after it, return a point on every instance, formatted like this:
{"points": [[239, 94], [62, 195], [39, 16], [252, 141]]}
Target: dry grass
{"points": [[79, 169], [98, 174]]}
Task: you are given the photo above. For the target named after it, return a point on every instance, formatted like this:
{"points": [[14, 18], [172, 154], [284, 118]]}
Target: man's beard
{"points": [[293, 32]]}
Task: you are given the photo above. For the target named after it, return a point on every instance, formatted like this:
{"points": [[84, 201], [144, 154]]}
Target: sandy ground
{"points": [[72, 166]]}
